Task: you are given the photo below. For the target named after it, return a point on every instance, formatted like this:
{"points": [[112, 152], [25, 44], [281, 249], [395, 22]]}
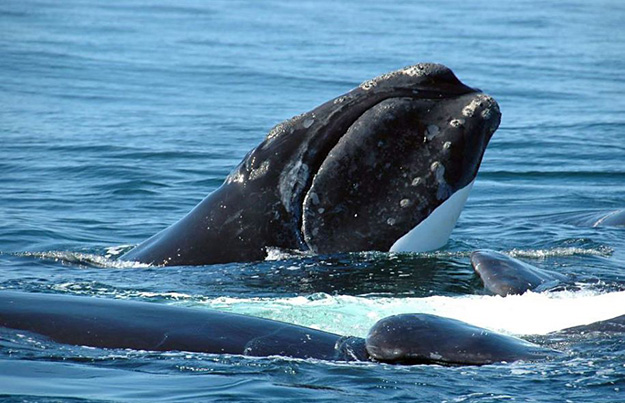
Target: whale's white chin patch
{"points": [[433, 232]]}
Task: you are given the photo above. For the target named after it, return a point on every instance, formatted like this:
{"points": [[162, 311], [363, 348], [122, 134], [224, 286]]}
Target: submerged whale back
{"points": [[106, 323]]}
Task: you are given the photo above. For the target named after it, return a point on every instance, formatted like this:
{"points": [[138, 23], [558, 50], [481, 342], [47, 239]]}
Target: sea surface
{"points": [[117, 117]]}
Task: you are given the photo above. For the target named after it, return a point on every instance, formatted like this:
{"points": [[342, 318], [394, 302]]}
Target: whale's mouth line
{"points": [[316, 164]]}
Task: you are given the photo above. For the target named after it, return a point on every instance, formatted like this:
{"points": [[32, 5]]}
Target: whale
{"points": [[504, 275], [387, 166], [431, 339], [405, 339], [614, 218], [610, 326]]}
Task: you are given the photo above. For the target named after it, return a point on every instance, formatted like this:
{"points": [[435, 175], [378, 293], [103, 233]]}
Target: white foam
{"points": [[527, 314], [433, 232], [91, 259]]}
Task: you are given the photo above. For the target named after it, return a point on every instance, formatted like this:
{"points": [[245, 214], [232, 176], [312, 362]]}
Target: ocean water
{"points": [[117, 117]]}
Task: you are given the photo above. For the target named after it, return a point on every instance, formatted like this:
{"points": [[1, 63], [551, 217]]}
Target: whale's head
{"points": [[425, 339], [362, 170], [386, 166]]}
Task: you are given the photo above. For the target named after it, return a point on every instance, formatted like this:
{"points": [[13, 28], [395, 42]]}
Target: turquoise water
{"points": [[116, 118]]}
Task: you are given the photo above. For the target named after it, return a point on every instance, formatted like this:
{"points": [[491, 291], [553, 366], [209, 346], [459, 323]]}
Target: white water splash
{"points": [[284, 254], [90, 259], [531, 313]]}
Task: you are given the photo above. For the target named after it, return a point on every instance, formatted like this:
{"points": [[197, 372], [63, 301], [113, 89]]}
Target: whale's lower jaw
{"points": [[433, 232]]}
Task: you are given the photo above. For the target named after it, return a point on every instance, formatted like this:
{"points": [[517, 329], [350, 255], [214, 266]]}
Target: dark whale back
{"points": [[107, 323], [426, 339], [504, 275]]}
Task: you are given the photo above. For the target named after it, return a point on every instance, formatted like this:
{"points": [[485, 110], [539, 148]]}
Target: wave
{"points": [[88, 259], [284, 254], [109, 259]]}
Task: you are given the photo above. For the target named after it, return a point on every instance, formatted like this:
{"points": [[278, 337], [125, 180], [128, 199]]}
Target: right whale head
{"points": [[362, 170]]}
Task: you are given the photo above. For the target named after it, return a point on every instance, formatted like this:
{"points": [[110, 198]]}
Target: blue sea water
{"points": [[117, 117]]}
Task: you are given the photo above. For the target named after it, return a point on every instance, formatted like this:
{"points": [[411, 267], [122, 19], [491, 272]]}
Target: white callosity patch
{"points": [[340, 99], [457, 123], [433, 232], [288, 126], [479, 101], [236, 176], [417, 70], [260, 171], [367, 85], [276, 131]]}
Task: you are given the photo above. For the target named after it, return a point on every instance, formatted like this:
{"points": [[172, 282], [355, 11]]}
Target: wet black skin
{"points": [[431, 339], [614, 325], [504, 275], [614, 218], [108, 323], [353, 174]]}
